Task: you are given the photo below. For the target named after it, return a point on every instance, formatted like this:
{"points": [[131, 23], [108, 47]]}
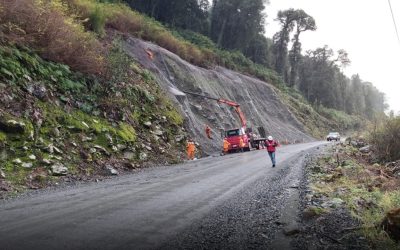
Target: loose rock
{"points": [[365, 150], [59, 169], [12, 126], [17, 161], [27, 164], [111, 170], [143, 156], [129, 155]]}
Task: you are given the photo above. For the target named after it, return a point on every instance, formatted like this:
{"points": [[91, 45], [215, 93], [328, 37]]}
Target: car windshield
{"points": [[233, 132], [333, 134]]}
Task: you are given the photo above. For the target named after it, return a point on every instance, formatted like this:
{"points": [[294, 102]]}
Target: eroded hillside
{"points": [[259, 100]]}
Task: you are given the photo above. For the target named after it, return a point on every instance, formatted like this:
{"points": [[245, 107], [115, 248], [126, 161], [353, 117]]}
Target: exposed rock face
{"points": [[259, 100]]}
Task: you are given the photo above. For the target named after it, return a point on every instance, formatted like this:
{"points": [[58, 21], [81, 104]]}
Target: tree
{"points": [[321, 79], [184, 14], [258, 50], [281, 39], [303, 22], [235, 23]]}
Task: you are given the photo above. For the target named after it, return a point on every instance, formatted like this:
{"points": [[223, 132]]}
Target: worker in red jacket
{"points": [[271, 144], [208, 132]]}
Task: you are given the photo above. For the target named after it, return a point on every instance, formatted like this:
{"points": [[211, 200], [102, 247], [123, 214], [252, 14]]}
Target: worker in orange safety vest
{"points": [[208, 132], [226, 146], [241, 144], [191, 149]]}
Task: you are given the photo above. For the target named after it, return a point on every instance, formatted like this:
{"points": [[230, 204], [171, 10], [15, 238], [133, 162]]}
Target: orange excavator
{"points": [[233, 136]]}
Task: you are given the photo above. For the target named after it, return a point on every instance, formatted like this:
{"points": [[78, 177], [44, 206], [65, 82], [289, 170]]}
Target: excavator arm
{"points": [[237, 109], [227, 102]]}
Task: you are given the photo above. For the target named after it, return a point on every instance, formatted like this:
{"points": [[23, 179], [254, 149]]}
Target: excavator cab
{"points": [[234, 136]]}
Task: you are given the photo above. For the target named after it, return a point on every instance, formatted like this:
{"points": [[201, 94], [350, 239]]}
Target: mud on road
{"points": [[233, 202]]}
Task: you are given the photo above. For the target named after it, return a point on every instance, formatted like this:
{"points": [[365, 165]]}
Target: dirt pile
{"points": [[259, 100]]}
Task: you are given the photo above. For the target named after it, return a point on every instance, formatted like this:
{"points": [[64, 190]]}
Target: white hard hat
{"points": [[270, 138]]}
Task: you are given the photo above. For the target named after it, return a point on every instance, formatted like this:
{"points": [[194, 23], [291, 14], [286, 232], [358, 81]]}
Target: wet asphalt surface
{"points": [[229, 202]]}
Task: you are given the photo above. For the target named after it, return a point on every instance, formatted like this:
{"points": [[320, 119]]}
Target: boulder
{"points": [[32, 157], [198, 107], [158, 132], [56, 132], [143, 156], [17, 161], [148, 124], [365, 149], [121, 147], [129, 155], [334, 203], [87, 138], [38, 90], [101, 149], [2, 174], [59, 169], [46, 161], [12, 126], [111, 170], [50, 149], [27, 164], [179, 138], [109, 138], [291, 230]]}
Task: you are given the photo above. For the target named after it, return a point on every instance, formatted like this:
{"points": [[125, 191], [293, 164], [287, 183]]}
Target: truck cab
{"points": [[233, 137]]}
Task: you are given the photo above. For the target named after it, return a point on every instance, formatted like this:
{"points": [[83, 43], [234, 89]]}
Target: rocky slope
{"points": [[259, 100], [56, 125]]}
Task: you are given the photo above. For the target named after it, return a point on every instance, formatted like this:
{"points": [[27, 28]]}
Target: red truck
{"points": [[234, 135]]}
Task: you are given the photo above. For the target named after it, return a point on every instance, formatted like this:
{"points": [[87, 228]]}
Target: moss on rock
{"points": [[127, 132]]}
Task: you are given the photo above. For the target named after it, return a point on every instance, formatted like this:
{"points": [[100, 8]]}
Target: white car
{"points": [[333, 136]]}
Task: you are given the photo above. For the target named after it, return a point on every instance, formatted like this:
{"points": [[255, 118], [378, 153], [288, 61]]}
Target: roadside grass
{"points": [[362, 189]]}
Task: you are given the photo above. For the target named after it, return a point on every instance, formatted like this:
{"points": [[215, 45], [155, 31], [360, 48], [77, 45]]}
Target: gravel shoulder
{"points": [[335, 228]]}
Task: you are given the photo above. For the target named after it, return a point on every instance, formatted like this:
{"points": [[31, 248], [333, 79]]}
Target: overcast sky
{"points": [[364, 28]]}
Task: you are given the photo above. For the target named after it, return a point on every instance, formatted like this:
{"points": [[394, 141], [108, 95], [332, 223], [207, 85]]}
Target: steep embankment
{"points": [[259, 100]]}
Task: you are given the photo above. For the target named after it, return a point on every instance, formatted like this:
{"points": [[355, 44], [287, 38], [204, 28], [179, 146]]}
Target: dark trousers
{"points": [[272, 156]]}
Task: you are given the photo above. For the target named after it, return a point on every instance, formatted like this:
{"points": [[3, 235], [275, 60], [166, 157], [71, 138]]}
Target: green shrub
{"points": [[196, 38], [17, 65], [98, 20], [386, 139]]}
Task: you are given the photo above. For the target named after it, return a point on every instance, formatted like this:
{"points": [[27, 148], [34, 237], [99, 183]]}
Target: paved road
{"points": [[156, 208]]}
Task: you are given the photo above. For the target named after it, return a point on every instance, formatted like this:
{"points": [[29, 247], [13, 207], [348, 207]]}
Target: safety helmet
{"points": [[270, 138]]}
